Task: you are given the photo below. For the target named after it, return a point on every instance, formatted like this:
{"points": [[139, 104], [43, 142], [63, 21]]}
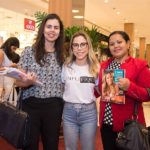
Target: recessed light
{"points": [[75, 10], [118, 12], [105, 1], [78, 17]]}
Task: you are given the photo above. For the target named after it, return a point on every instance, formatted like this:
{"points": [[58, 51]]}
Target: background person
{"points": [[9, 47], [136, 86], [8, 58], [44, 103], [79, 74]]}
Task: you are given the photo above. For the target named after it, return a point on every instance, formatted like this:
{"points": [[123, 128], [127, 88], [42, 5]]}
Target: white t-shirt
{"points": [[79, 84]]}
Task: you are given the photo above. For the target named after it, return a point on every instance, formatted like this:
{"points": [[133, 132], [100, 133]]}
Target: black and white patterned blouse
{"points": [[49, 75], [108, 118]]}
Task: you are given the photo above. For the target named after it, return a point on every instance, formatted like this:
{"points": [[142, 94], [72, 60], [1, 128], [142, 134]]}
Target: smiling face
{"points": [[80, 49], [118, 46], [51, 30], [109, 79]]}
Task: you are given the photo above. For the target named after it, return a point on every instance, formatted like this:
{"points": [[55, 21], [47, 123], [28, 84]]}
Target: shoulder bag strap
{"points": [[135, 113], [19, 100]]}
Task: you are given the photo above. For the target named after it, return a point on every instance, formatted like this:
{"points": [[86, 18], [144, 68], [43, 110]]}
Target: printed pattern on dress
{"points": [[108, 118], [49, 74]]}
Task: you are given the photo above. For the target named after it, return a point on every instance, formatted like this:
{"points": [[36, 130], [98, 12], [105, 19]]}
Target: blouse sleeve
{"points": [[24, 59]]}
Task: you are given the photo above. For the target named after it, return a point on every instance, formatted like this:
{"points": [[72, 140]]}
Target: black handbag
{"points": [[134, 136], [14, 124]]}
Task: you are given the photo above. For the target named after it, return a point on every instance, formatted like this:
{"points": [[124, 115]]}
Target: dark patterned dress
{"points": [[49, 75]]}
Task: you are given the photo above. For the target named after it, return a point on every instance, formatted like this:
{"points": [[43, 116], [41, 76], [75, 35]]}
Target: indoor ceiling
{"points": [[131, 11], [108, 14]]}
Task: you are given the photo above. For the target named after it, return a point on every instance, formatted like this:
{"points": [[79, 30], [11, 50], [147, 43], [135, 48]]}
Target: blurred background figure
{"points": [[9, 47], [8, 58]]}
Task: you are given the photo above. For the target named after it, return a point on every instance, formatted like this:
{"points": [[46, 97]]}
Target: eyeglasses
{"points": [[81, 45]]}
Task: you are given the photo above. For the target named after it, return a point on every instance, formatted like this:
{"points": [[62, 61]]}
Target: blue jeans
{"points": [[80, 121]]}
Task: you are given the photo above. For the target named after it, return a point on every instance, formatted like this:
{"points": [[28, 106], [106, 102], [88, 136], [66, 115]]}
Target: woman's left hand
{"points": [[28, 80], [14, 65], [124, 83]]}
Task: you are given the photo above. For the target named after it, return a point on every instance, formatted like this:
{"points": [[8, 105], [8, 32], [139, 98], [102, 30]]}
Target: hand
{"points": [[124, 83], [28, 79], [14, 65]]}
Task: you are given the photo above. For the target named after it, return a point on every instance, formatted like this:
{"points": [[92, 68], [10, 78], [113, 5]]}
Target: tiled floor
{"points": [[5, 146]]}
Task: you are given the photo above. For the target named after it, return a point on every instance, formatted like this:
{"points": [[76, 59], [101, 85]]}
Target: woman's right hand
{"points": [[28, 80], [14, 65]]}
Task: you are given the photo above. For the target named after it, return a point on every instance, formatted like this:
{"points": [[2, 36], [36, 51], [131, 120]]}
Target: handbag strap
{"points": [[135, 113], [19, 100]]}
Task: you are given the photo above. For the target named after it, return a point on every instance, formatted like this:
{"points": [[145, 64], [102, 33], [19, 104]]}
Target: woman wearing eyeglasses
{"points": [[79, 74]]}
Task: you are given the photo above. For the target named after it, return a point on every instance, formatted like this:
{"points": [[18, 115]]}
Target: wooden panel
{"points": [[142, 47], [63, 8], [129, 29]]}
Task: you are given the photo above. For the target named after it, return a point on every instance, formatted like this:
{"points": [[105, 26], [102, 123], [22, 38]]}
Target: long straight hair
{"points": [[39, 45]]}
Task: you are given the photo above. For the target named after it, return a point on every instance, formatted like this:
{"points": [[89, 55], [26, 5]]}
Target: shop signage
{"points": [[29, 24]]}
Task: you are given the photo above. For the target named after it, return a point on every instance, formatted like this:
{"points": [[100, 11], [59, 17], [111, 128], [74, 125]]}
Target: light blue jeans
{"points": [[80, 122]]}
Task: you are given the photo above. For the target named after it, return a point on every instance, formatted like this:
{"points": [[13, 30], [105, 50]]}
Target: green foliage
{"points": [[70, 31], [93, 34], [39, 17], [95, 38]]}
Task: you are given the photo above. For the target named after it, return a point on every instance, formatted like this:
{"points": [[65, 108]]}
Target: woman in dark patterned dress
{"points": [[44, 102]]}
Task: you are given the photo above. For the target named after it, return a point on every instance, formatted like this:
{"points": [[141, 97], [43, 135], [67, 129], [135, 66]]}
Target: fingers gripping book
{"points": [[15, 73]]}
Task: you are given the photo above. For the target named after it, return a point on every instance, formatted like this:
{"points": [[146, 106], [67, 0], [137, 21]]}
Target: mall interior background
{"points": [[107, 15]]}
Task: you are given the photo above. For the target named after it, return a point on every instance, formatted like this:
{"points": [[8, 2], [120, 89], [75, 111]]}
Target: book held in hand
{"points": [[110, 89], [117, 74], [15, 73]]}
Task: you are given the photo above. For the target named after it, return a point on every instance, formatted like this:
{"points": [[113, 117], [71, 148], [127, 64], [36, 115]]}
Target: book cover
{"points": [[118, 73], [110, 89], [15, 73]]}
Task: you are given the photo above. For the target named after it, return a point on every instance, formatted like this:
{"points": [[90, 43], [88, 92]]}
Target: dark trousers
{"points": [[45, 115], [108, 137]]}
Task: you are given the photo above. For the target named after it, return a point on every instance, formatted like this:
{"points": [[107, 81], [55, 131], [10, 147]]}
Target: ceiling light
{"points": [[78, 17], [75, 10], [118, 12], [94, 22], [105, 1]]}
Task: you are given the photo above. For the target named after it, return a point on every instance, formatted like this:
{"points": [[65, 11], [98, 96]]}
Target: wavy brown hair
{"points": [[39, 45]]}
